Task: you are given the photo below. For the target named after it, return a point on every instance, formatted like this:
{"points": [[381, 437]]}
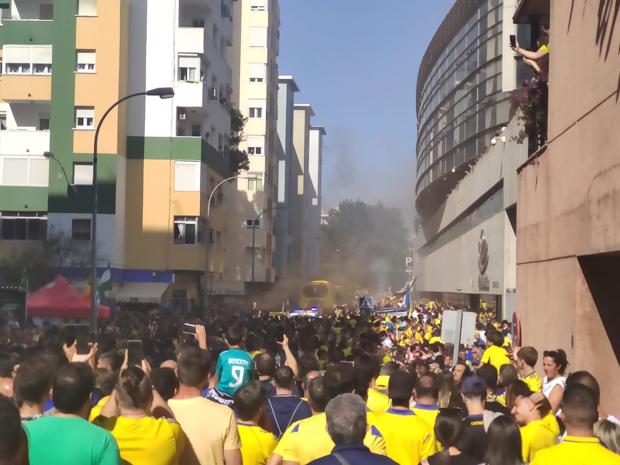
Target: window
{"points": [[255, 145], [80, 229], [27, 59], [186, 230], [46, 11], [281, 181], [17, 68], [187, 176], [258, 37], [256, 112], [24, 171], [44, 123], [15, 171], [258, 5], [256, 108], [255, 184], [86, 61], [257, 72], [87, 8], [189, 66], [40, 68], [83, 174], [23, 226], [85, 118], [2, 121]]}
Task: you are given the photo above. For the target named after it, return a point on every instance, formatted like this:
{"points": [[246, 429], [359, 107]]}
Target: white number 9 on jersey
{"points": [[237, 374]]}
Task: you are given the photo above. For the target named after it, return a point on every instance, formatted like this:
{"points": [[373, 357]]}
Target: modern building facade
{"points": [[463, 96], [304, 200], [255, 70], [287, 162], [158, 159], [466, 160], [568, 222]]}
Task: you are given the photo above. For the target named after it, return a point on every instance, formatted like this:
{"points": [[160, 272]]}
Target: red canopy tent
{"points": [[59, 300]]}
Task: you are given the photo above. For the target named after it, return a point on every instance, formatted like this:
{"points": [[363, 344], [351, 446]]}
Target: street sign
{"points": [[458, 327], [408, 264]]}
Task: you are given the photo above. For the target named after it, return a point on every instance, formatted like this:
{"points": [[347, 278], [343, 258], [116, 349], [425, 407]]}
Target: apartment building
{"points": [[287, 88], [254, 60], [158, 159]]}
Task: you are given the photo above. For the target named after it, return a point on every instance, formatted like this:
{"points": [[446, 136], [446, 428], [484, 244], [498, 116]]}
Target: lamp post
{"points": [[217, 186], [161, 92]]}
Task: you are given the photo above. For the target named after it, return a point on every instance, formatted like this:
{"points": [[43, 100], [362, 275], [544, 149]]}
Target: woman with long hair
{"points": [[141, 421], [554, 366], [449, 431], [504, 442]]}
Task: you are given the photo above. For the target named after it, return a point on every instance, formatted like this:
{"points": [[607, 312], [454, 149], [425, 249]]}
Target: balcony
{"points": [[190, 39], [24, 142], [40, 10], [25, 88], [189, 94], [192, 13]]}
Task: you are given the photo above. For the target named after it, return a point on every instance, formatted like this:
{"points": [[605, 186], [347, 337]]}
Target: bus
{"points": [[320, 295]]}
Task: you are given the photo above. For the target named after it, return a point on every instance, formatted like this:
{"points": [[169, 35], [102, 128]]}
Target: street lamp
{"points": [[217, 186], [161, 92], [50, 156]]}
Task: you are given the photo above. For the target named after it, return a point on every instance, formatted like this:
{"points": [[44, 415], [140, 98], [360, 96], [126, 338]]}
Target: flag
{"points": [[105, 284], [408, 301]]}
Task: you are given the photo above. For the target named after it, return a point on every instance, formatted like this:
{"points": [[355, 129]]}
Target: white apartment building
{"points": [[253, 57]]}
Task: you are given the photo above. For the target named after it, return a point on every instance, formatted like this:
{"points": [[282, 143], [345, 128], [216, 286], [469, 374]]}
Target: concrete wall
{"points": [[569, 200], [447, 246]]}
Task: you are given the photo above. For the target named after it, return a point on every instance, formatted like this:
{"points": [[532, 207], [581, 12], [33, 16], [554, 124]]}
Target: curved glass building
{"points": [[460, 99]]}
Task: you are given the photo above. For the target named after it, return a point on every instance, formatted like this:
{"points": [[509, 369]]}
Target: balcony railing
{"points": [[24, 142]]}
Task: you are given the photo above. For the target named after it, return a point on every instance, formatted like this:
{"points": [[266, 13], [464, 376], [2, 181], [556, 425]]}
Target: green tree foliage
{"points": [[41, 264], [364, 246], [238, 159]]}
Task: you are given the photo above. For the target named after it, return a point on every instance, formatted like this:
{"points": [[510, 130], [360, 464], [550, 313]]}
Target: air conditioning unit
{"points": [[213, 93], [182, 115]]}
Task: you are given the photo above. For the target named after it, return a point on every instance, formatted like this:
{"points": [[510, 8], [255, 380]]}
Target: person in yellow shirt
{"points": [[526, 361], [495, 354], [307, 440], [257, 444], [141, 422], [536, 433], [579, 446], [426, 397], [408, 438]]}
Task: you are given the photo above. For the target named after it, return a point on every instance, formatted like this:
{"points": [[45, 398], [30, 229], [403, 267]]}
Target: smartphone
{"points": [[513, 40], [135, 354], [81, 334], [518, 57], [189, 329]]}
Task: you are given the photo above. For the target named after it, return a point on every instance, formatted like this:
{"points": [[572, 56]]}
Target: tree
{"points": [[237, 158], [364, 246], [40, 264]]}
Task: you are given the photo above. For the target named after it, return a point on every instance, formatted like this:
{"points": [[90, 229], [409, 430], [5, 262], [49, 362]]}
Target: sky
{"points": [[356, 63]]}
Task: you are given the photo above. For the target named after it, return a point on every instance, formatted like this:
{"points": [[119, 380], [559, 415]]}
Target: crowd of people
{"points": [[259, 389]]}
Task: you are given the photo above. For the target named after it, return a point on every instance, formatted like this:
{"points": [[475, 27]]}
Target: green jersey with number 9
{"points": [[234, 369]]}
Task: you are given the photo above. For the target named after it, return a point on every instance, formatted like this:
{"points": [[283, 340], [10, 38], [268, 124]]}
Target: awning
{"points": [[144, 293], [529, 11]]}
